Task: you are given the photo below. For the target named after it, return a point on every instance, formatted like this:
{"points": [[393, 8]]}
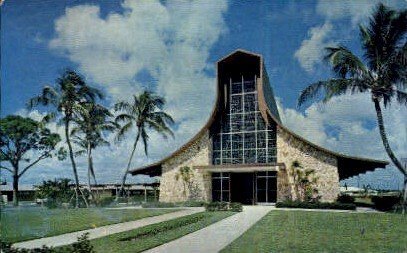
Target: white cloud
{"points": [[335, 12], [357, 11], [311, 51], [170, 42], [347, 124]]}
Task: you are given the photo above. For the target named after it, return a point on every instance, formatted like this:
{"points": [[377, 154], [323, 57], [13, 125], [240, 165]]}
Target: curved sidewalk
{"points": [[94, 233], [218, 235]]}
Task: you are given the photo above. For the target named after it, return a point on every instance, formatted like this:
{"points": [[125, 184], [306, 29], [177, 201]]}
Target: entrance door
{"points": [[221, 187], [266, 187], [242, 188]]}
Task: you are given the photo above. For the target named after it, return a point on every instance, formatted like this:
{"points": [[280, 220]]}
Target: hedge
{"points": [[316, 205], [192, 203], [82, 245], [154, 230], [343, 198], [224, 206], [385, 202], [158, 205]]}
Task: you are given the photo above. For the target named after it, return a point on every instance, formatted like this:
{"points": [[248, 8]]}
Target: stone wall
{"points": [[289, 149], [197, 154]]}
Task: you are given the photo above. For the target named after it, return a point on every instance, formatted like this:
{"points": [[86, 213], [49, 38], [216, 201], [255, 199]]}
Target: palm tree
{"points": [[144, 113], [383, 73], [88, 132], [67, 98]]}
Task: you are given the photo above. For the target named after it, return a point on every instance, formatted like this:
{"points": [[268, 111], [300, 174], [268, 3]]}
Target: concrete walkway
{"points": [[70, 238], [358, 210], [218, 235]]}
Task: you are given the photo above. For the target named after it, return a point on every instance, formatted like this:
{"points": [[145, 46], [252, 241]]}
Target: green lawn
{"points": [[154, 235], [300, 231], [20, 224]]}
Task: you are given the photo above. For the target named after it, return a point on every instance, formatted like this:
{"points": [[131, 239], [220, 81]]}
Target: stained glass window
{"points": [[243, 136]]}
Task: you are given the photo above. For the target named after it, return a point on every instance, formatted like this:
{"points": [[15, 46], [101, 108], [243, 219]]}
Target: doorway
{"points": [[243, 188], [248, 188]]}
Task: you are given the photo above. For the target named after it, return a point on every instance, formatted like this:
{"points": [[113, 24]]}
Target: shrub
{"points": [[316, 205], [122, 200], [155, 229], [83, 245], [192, 203], [223, 206], [158, 205], [344, 198], [385, 202], [235, 207], [104, 201], [217, 206], [56, 192]]}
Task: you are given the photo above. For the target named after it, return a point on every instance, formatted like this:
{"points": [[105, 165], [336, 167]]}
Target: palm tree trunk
{"points": [[121, 192], [383, 135], [75, 172], [404, 204], [15, 189], [90, 170], [389, 151]]}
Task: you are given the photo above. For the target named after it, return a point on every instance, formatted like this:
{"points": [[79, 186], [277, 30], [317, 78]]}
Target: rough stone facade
{"points": [[197, 154], [289, 149]]}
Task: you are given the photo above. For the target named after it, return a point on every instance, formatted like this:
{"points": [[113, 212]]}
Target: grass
{"points": [[300, 231], [154, 235], [21, 224]]}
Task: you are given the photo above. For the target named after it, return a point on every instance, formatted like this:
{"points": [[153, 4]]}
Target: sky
{"points": [[170, 47]]}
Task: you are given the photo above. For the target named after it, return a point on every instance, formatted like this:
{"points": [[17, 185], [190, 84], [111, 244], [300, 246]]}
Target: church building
{"points": [[244, 153]]}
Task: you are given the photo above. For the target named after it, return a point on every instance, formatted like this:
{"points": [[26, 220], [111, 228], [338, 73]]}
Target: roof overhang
{"points": [[152, 170], [352, 166]]}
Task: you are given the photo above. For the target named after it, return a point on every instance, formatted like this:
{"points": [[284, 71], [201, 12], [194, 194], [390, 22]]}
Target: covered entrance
{"points": [[247, 187]]}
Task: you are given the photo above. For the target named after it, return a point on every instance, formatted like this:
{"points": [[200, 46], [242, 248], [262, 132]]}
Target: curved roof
{"points": [[268, 109]]}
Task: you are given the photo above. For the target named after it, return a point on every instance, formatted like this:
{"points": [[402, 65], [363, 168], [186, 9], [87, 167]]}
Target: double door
{"points": [[246, 188]]}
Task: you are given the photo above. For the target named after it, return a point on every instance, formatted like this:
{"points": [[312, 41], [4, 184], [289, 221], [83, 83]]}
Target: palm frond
{"points": [[123, 130], [160, 127], [123, 106], [90, 93], [386, 29], [344, 63], [394, 69], [401, 97], [49, 117], [165, 116], [331, 88], [124, 118], [80, 152], [48, 96]]}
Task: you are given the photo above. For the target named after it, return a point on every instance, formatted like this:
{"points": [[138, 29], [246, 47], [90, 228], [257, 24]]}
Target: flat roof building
{"points": [[244, 153]]}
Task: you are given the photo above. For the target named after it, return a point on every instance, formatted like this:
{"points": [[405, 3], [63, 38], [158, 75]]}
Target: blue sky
{"points": [[123, 47]]}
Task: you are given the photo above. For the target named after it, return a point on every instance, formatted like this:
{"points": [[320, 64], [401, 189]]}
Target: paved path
{"points": [[70, 238], [358, 210], [218, 235]]}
